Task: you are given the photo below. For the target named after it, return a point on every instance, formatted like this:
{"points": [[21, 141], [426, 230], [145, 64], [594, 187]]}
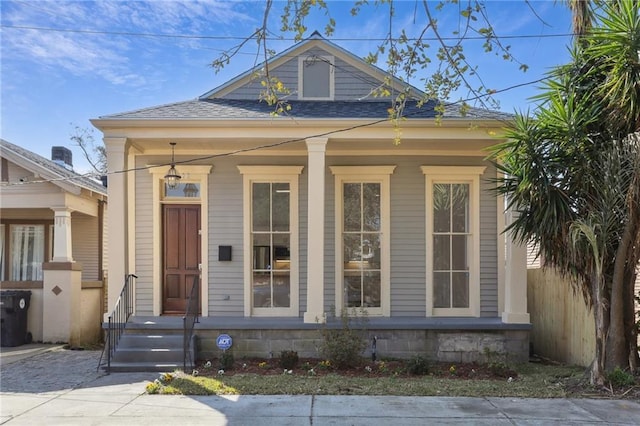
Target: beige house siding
{"points": [[226, 283], [408, 275], [351, 84], [85, 245], [144, 240]]}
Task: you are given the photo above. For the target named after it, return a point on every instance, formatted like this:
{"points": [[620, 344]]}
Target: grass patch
{"points": [[533, 381]]}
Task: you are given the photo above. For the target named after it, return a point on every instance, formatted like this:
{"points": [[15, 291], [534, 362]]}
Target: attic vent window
{"points": [[316, 77]]}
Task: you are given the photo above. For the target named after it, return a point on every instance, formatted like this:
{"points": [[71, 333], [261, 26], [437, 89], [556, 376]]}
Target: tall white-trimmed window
{"points": [[271, 240], [453, 240], [363, 238], [315, 77]]}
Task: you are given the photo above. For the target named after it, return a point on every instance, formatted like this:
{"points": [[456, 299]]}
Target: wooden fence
{"points": [[563, 327]]}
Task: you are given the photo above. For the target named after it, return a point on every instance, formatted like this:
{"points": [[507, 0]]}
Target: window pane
{"points": [[352, 206], [183, 190], [441, 252], [281, 251], [281, 289], [460, 207], [27, 252], [261, 251], [261, 206], [441, 290], [371, 206], [280, 207], [316, 78], [459, 253], [353, 288], [441, 207], [371, 251], [352, 251], [460, 289], [371, 290], [261, 289]]}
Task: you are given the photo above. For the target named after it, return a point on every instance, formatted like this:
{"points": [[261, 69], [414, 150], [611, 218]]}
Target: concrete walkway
{"points": [[59, 387]]}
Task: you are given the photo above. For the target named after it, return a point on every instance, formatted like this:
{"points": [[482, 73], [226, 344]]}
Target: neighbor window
{"points": [[22, 252], [362, 238], [453, 279], [316, 77], [271, 236]]}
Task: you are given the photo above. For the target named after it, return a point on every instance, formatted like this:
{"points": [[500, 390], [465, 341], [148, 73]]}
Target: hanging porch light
{"points": [[172, 178]]}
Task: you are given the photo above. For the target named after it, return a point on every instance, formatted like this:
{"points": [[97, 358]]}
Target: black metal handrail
{"points": [[118, 320], [189, 321]]}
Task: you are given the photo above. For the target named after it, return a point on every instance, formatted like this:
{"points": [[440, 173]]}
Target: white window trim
{"points": [[455, 174], [366, 174], [290, 175], [301, 62], [189, 173]]}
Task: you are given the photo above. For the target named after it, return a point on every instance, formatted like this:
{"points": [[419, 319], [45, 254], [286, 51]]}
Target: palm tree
{"points": [[572, 170]]}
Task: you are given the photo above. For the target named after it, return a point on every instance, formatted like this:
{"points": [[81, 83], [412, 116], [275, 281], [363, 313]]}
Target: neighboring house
{"points": [[288, 219], [51, 243]]}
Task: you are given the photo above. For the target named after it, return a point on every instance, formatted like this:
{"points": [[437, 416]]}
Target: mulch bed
{"points": [[384, 368]]}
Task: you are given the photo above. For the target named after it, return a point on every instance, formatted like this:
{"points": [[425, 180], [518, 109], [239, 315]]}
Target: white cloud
{"points": [[115, 58]]}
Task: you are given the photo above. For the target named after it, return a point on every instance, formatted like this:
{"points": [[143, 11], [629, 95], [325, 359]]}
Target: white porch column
{"points": [[316, 148], [116, 218], [515, 291], [62, 235]]}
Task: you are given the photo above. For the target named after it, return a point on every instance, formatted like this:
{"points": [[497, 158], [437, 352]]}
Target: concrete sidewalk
{"points": [[60, 387]]}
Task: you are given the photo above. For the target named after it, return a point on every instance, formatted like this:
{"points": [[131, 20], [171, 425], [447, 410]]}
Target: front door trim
{"points": [[192, 173]]}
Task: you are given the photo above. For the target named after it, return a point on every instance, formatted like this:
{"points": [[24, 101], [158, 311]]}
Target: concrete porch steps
{"points": [[153, 351]]}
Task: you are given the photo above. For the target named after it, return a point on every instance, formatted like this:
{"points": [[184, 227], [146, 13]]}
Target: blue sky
{"points": [[63, 63]]}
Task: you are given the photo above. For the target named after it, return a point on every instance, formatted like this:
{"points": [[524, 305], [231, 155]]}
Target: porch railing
{"points": [[118, 320], [189, 321]]}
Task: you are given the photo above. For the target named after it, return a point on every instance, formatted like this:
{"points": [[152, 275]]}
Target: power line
{"points": [[213, 37], [267, 146]]}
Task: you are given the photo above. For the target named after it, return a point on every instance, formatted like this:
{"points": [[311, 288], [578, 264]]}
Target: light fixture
{"points": [[172, 177]]}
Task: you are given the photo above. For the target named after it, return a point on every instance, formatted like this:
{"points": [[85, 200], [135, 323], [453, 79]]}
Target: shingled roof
{"points": [[38, 164], [229, 109]]}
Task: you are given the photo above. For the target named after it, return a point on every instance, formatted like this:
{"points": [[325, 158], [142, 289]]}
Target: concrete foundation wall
{"points": [[437, 345]]}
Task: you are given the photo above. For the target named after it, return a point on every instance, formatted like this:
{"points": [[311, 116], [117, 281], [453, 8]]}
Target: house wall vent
{"points": [[62, 156]]}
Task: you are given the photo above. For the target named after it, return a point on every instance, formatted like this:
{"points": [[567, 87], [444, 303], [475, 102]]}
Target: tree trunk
{"points": [[631, 331], [617, 339], [601, 318]]}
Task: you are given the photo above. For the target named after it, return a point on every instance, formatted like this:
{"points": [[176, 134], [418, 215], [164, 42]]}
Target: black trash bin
{"points": [[13, 317]]}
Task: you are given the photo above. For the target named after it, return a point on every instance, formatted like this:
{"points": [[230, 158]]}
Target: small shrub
{"points": [[418, 366], [344, 346], [497, 365], [226, 360], [620, 378], [288, 359], [324, 364], [153, 387]]}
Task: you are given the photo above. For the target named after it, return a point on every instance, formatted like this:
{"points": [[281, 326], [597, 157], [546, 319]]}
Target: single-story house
{"points": [[52, 239], [286, 219]]}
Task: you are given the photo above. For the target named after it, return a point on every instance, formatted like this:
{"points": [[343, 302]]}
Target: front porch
{"points": [[439, 339]]}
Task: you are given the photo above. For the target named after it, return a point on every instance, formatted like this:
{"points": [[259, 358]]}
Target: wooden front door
{"points": [[181, 255]]}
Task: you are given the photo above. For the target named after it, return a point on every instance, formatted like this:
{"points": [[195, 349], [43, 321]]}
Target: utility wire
{"points": [[267, 146], [212, 37]]}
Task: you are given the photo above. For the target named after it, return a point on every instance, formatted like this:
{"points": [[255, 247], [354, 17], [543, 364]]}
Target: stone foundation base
{"points": [[437, 345]]}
